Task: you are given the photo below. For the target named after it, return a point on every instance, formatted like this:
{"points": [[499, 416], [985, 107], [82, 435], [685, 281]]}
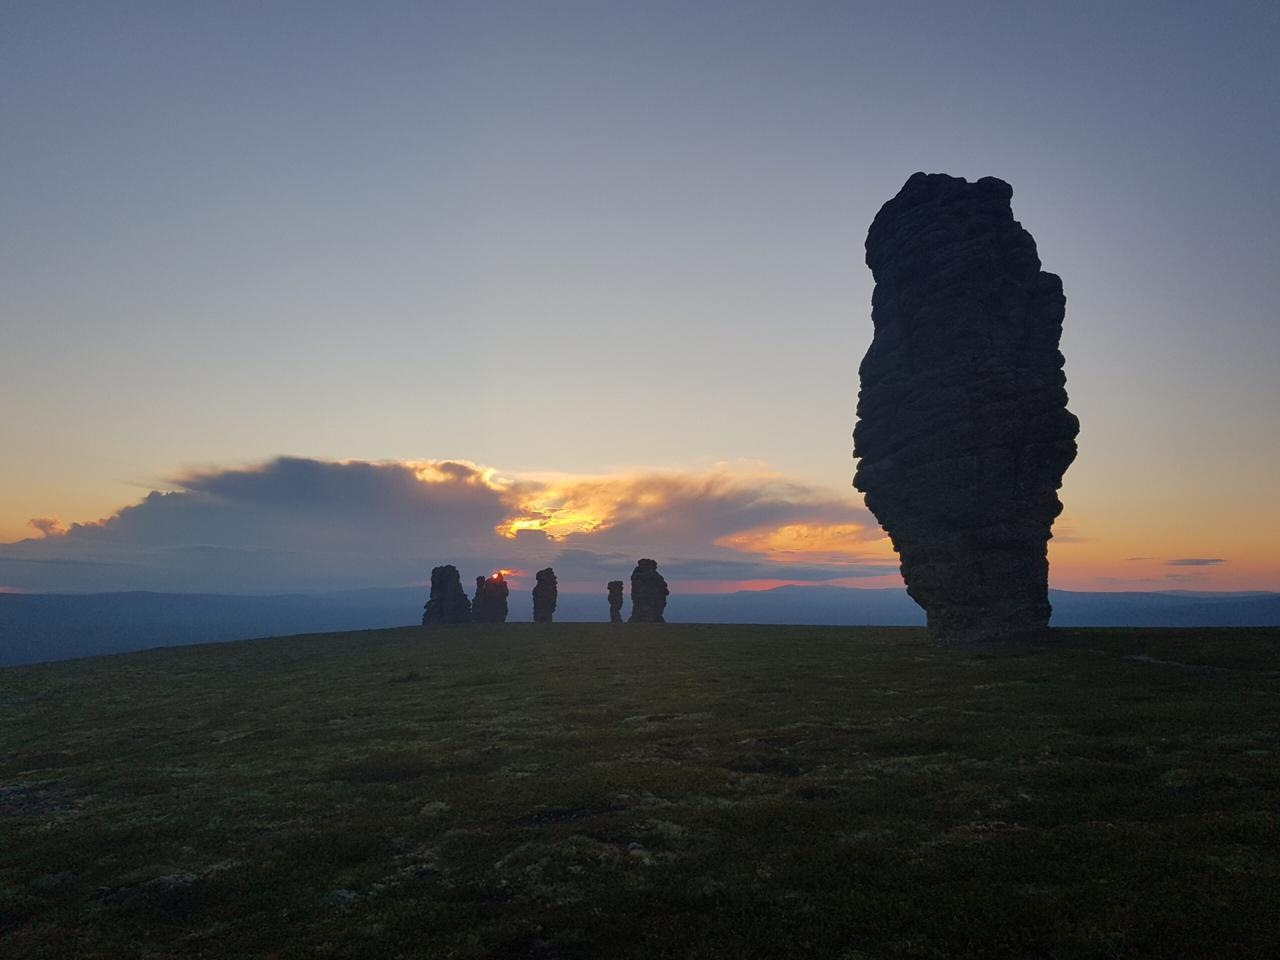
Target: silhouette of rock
{"points": [[544, 595], [492, 606], [963, 429], [648, 593], [615, 601], [447, 602], [477, 601]]}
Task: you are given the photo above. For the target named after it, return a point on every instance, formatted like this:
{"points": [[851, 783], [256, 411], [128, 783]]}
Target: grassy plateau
{"points": [[591, 791]]}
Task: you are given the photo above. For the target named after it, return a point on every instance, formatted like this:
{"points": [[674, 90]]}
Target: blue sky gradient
{"points": [[591, 237]]}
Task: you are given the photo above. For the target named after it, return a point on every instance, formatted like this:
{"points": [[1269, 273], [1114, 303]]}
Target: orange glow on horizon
{"points": [[1156, 542], [811, 542], [763, 584]]}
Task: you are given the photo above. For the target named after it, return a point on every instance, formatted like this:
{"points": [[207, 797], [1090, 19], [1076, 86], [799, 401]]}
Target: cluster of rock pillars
{"points": [[963, 431], [449, 603]]}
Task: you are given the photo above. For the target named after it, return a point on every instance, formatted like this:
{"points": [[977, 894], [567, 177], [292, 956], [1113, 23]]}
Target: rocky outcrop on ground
{"points": [[492, 606], [447, 602], [963, 430], [615, 601], [648, 593], [544, 595]]}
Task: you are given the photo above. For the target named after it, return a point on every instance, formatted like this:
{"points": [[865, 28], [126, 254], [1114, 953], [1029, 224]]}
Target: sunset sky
{"points": [[317, 295]]}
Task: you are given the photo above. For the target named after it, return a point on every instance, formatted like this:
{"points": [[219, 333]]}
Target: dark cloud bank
{"points": [[302, 525]]}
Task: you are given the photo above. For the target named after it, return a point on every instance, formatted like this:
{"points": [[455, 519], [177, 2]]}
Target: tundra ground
{"points": [[681, 791]]}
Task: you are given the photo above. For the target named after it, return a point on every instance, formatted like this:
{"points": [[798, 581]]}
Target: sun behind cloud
{"points": [[560, 509]]}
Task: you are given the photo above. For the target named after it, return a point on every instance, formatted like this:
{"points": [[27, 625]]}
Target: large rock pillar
{"points": [[963, 430], [491, 602], [447, 602], [648, 593], [544, 595], [615, 601]]}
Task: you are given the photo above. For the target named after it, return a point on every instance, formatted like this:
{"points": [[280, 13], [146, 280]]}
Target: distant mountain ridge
{"points": [[40, 627]]}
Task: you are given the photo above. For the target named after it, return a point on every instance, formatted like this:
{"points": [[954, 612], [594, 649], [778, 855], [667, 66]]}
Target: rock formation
{"points": [[447, 602], [963, 431], [648, 593], [615, 601], [477, 601], [544, 595], [492, 606]]}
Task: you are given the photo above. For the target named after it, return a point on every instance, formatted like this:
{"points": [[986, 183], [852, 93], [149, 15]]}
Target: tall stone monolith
{"points": [[447, 602], [963, 430], [492, 605], [544, 595], [615, 601], [648, 593]]}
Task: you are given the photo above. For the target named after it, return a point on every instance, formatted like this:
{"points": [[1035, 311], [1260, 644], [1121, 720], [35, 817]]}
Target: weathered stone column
{"points": [[544, 595], [648, 593], [615, 601], [492, 605], [447, 602], [963, 430]]}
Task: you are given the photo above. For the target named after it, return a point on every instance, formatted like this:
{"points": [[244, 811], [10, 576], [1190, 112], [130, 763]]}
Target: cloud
{"points": [[673, 505], [309, 504], [802, 540], [1195, 562], [49, 526], [1066, 530], [296, 524]]}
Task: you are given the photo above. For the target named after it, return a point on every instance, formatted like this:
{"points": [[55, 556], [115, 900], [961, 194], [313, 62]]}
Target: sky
{"points": [[314, 295]]}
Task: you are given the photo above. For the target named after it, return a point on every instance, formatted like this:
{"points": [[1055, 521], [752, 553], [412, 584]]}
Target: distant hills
{"points": [[38, 627]]}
